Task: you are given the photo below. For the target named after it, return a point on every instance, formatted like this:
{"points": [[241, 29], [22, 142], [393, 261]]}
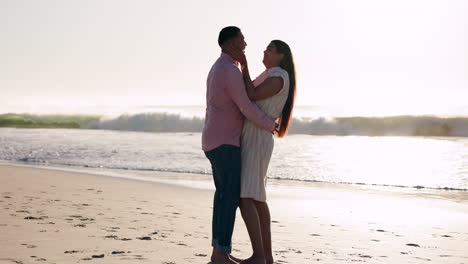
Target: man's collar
{"points": [[228, 57]]}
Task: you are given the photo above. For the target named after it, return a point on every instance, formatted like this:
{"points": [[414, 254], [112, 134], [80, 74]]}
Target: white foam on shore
{"points": [[276, 188]]}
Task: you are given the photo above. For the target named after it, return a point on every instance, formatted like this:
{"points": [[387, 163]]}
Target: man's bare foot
{"points": [[236, 260], [222, 259], [230, 256], [254, 260]]}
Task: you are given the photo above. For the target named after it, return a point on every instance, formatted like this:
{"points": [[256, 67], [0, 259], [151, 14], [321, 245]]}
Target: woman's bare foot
{"points": [[254, 260]]}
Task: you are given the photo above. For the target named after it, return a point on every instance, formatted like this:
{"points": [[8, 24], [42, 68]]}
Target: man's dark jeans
{"points": [[226, 165]]}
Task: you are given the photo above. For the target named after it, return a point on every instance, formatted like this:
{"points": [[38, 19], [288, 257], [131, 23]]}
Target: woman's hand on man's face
{"points": [[238, 55]]}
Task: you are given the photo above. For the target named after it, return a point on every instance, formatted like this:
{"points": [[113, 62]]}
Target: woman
{"points": [[273, 91]]}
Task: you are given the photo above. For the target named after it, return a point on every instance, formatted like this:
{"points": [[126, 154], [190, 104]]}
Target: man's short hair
{"points": [[227, 33]]}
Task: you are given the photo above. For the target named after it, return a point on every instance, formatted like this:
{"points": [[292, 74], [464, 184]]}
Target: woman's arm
{"points": [[267, 88]]}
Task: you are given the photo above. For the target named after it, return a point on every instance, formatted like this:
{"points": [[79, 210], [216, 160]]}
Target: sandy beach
{"points": [[52, 216]]}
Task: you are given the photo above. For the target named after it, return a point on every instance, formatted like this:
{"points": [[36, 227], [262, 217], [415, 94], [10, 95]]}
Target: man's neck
{"points": [[229, 54]]}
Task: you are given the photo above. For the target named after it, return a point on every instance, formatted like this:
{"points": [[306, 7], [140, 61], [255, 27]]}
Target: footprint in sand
{"points": [[144, 213], [423, 259], [33, 218], [87, 219], [76, 216], [38, 259], [71, 251], [29, 246], [14, 261], [412, 245]]}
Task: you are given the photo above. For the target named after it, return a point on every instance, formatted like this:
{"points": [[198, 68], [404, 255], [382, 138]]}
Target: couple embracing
{"points": [[242, 117]]}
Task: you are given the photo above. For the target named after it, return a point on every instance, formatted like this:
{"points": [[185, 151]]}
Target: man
{"points": [[227, 104]]}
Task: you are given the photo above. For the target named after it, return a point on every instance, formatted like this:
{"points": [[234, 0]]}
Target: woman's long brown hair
{"points": [[287, 63]]}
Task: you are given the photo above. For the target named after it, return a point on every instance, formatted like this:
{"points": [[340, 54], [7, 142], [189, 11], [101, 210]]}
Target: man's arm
{"points": [[236, 89]]}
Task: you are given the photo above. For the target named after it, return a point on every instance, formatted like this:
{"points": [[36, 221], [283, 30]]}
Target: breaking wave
{"points": [[341, 126]]}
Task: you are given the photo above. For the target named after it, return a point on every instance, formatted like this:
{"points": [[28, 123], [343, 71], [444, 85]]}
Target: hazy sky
{"points": [[372, 54]]}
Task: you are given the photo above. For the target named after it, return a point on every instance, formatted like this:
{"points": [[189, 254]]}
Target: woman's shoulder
{"points": [[277, 72]]}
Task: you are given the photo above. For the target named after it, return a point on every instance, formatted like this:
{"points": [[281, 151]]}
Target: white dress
{"points": [[256, 143]]}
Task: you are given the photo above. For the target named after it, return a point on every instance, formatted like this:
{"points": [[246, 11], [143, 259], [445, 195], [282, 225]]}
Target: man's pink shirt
{"points": [[227, 104]]}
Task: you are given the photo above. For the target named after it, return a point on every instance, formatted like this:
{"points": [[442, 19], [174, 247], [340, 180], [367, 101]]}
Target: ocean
{"points": [[407, 151]]}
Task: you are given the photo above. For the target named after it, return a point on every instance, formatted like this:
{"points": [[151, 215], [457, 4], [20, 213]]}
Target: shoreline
{"points": [[69, 217], [204, 182]]}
